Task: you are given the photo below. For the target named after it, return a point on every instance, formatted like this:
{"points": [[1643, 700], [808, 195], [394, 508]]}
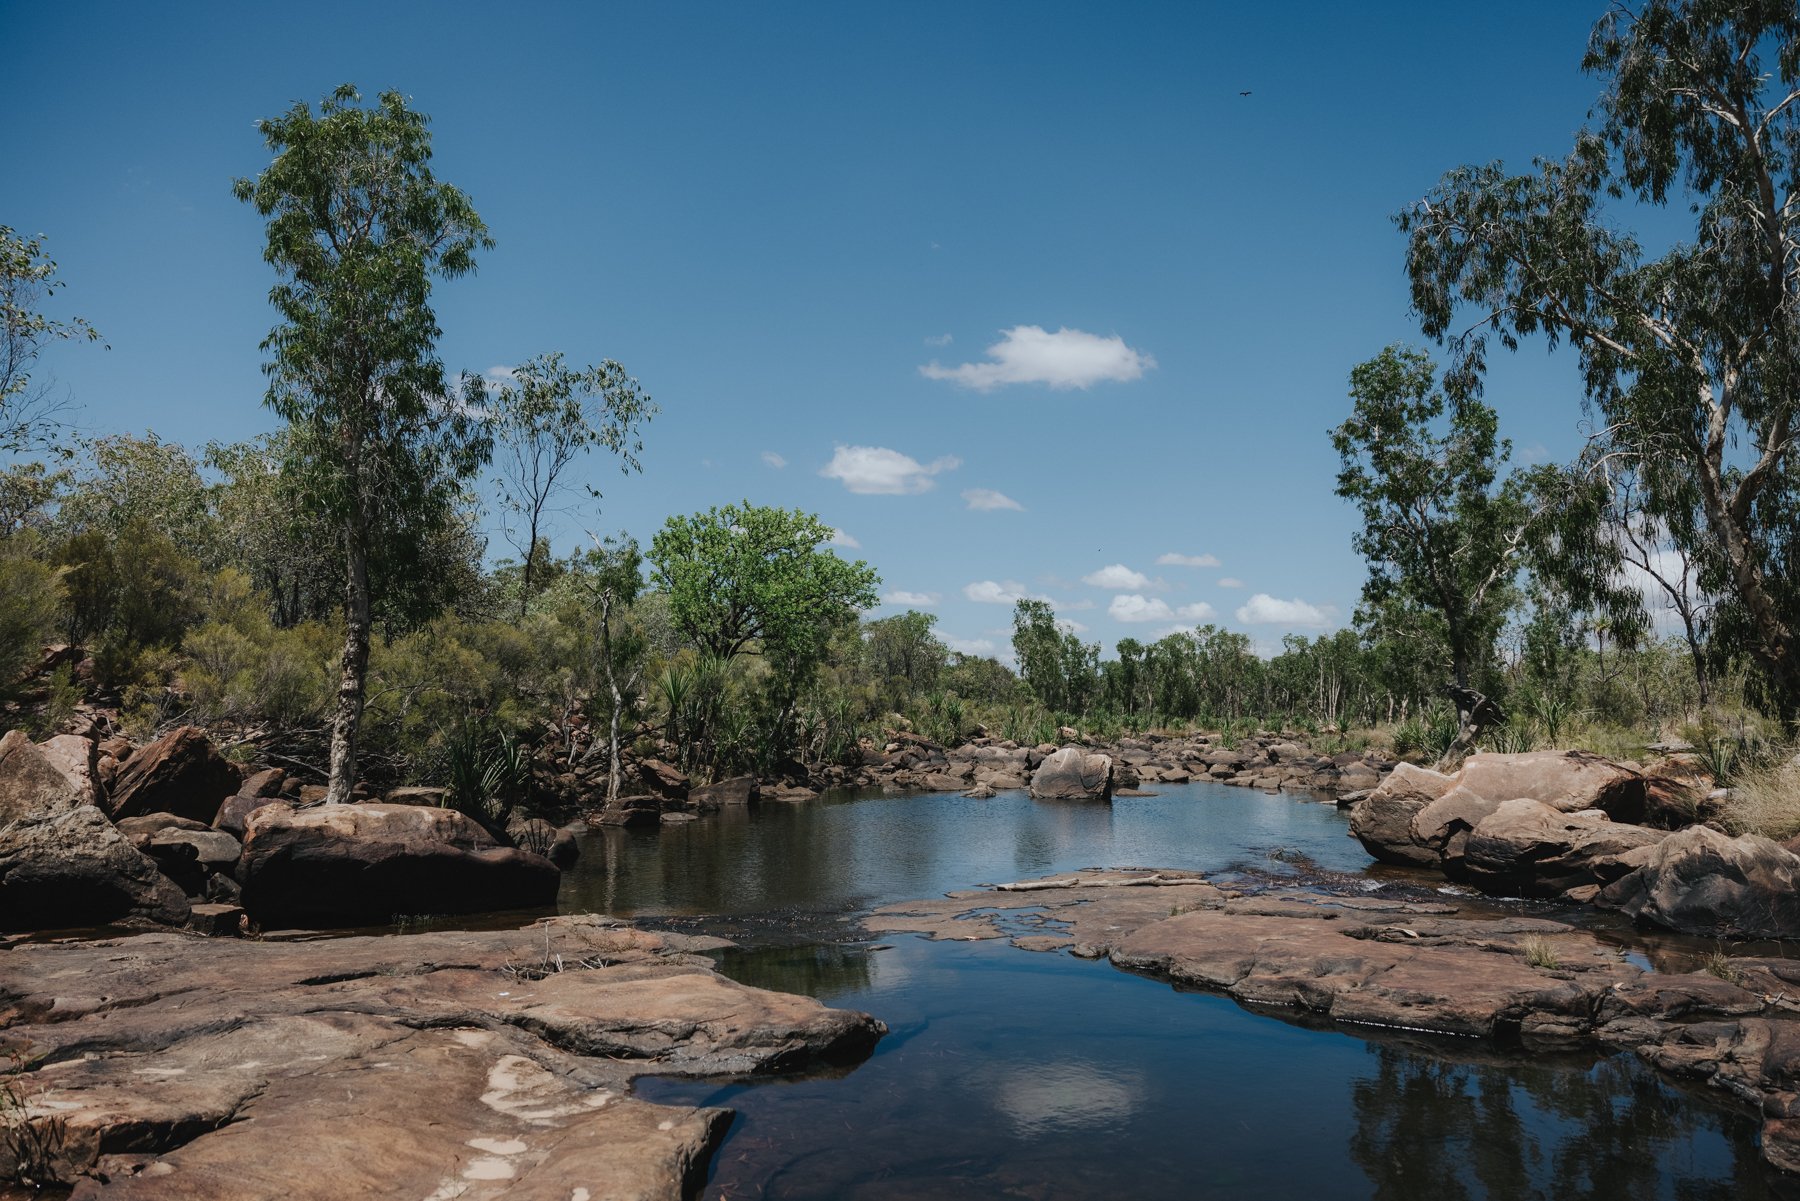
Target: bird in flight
{"points": [[1243, 93]]}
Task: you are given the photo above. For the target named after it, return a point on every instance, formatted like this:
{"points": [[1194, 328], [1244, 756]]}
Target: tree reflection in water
{"points": [[1500, 1126]]}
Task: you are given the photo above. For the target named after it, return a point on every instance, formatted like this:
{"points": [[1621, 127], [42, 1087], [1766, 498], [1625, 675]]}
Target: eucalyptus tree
{"points": [[358, 229], [613, 576], [1062, 671], [544, 416], [27, 279], [1440, 530], [1690, 356]]}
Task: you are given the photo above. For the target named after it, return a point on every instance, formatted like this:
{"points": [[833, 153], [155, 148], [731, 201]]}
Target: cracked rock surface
{"points": [[467, 1064], [1422, 966]]}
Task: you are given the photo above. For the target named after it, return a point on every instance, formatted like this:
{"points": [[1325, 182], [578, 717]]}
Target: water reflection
{"points": [[855, 850], [1064, 1096], [1012, 1074]]}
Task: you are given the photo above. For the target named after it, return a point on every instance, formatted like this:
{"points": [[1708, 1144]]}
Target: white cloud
{"points": [[1132, 607], [1078, 605], [774, 460], [840, 538], [879, 471], [968, 646], [1265, 610], [1029, 354], [939, 339], [986, 500], [995, 592], [1176, 560], [1070, 626], [1116, 576], [1231, 582], [917, 600]]}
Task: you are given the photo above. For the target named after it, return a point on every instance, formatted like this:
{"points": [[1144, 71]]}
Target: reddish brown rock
{"points": [[469, 1065], [349, 864], [1567, 781], [31, 784], [1527, 848], [178, 773], [77, 869], [1699, 881], [664, 779], [78, 759]]}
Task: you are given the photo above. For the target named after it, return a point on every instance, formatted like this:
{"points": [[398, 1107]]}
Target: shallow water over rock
{"points": [[1044, 1076]]}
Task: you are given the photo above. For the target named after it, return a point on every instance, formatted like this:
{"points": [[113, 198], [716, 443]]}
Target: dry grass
{"points": [[1540, 952], [1718, 963], [1765, 800]]}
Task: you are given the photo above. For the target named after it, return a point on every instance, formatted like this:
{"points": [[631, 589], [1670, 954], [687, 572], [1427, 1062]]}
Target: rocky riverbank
{"points": [[1081, 769], [436, 1065], [1416, 963]]}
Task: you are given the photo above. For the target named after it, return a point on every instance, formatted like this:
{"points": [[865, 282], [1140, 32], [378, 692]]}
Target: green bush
{"points": [[31, 601]]}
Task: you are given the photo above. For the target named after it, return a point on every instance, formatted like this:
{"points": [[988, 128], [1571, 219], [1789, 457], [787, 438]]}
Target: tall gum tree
{"points": [[1690, 358], [358, 228]]}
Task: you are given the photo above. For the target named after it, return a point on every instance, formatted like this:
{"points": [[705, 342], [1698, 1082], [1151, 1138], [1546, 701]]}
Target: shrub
{"points": [[30, 602]]}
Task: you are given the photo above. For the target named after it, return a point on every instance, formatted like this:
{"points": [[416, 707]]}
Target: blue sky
{"points": [[780, 217]]}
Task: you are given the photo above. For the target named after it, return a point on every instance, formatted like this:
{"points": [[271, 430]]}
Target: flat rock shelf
{"points": [[468, 1064]]}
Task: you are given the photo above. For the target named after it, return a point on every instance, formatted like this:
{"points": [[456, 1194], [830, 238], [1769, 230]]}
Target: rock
{"points": [[349, 864], [738, 790], [151, 823], [236, 811], [1527, 848], [32, 786], [664, 779], [1067, 734], [541, 837], [1564, 780], [1444, 825], [1383, 820], [1408, 782], [1073, 774], [981, 792], [1699, 881], [77, 869], [441, 1064], [215, 920], [791, 793], [417, 794], [629, 811], [264, 783], [78, 759], [178, 773]]}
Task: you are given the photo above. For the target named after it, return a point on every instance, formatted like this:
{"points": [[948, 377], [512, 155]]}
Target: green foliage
{"points": [[486, 772], [544, 416], [27, 279], [1439, 533], [904, 657], [1062, 671], [739, 575], [1688, 358], [358, 227], [30, 606], [241, 667]]}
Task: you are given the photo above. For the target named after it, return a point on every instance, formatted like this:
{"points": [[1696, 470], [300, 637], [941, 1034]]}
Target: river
{"points": [[1014, 1074]]}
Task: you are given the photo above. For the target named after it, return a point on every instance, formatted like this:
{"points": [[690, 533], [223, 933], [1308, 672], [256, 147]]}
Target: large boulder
{"points": [[1567, 781], [236, 811], [1527, 848], [664, 779], [344, 864], [1073, 774], [1699, 881], [31, 784], [1382, 821], [179, 773], [77, 869], [1444, 825], [738, 790], [78, 759]]}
